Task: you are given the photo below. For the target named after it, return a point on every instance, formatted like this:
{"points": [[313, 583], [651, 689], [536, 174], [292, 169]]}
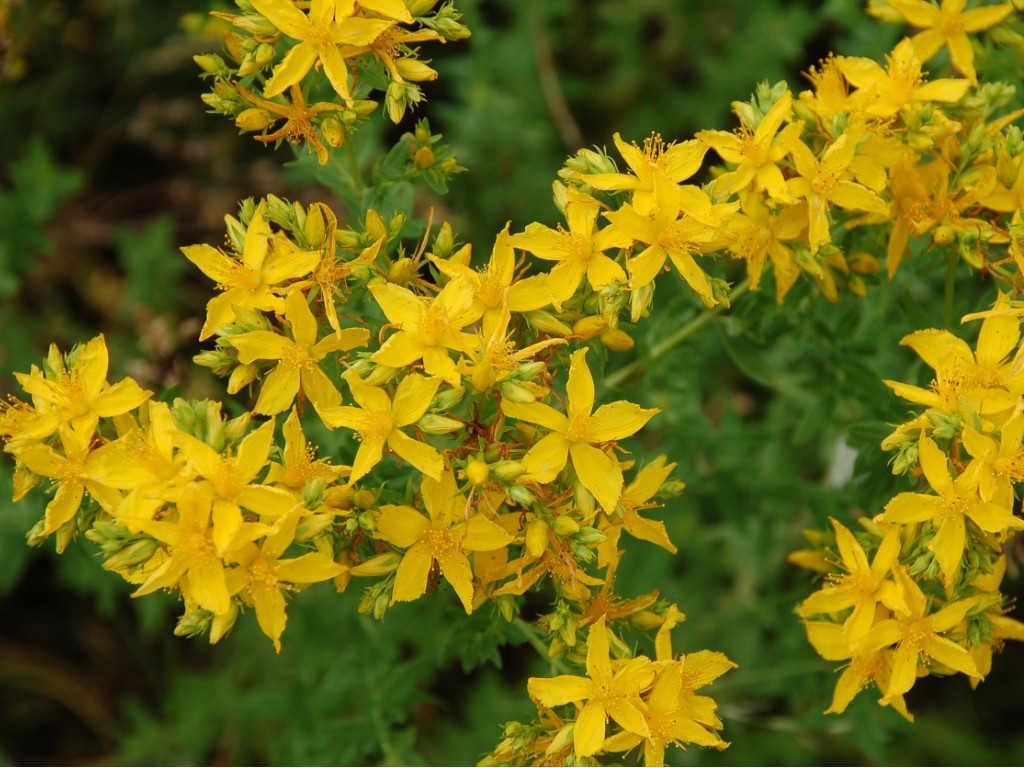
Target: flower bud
{"points": [[401, 271], [435, 424], [211, 64], [520, 495], [617, 340], [477, 472], [423, 158], [536, 537], [545, 322], [516, 393], [414, 70], [507, 471], [564, 525], [380, 565], [253, 119], [589, 327]]}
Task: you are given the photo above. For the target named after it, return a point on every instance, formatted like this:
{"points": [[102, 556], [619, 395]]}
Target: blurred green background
{"points": [[108, 163]]}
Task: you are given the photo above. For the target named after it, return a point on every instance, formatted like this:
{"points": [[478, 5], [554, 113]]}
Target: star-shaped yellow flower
{"points": [[328, 25], [379, 420], [578, 433], [443, 536], [948, 25], [298, 358]]}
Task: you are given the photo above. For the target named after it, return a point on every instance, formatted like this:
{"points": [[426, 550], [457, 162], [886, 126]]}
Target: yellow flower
{"points": [[497, 356], [427, 329], [379, 419], [249, 281], [637, 496], [80, 397], [229, 480], [827, 181], [607, 691], [577, 434], [495, 289], [759, 232], [668, 721], [299, 463], [756, 153], [21, 424], [892, 89], [144, 463], [668, 235], [998, 466], [956, 500], [298, 359], [328, 25], [986, 378], [863, 585], [863, 669], [298, 119], [580, 251], [948, 25], [676, 162], [73, 474], [444, 537], [264, 575], [918, 637], [192, 554]]}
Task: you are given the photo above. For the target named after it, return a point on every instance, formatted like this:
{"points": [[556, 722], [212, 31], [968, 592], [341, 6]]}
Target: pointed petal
{"points": [[598, 473], [412, 572], [401, 526]]}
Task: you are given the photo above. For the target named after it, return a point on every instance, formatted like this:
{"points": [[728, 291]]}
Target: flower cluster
{"points": [[459, 380], [928, 602], [277, 48], [480, 458]]}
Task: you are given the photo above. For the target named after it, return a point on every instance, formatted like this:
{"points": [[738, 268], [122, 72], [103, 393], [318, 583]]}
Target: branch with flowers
{"points": [[478, 456]]}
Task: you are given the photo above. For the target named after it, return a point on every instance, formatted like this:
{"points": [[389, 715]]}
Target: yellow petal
{"points": [[422, 456], [293, 67], [402, 526], [479, 534], [310, 568], [455, 568], [588, 733], [412, 398], [556, 691], [580, 388], [411, 576], [598, 473], [278, 391], [618, 420], [260, 345], [547, 458]]}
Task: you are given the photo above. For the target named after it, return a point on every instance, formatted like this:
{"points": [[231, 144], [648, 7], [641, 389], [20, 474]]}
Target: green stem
{"points": [[947, 302], [674, 340], [533, 638]]}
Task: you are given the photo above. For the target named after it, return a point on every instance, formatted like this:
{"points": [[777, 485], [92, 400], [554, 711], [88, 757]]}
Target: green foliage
{"points": [[774, 414], [36, 188]]}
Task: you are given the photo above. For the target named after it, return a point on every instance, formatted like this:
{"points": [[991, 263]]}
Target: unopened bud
{"points": [[589, 327], [423, 158], [380, 565], [507, 471], [401, 271], [545, 322], [617, 340], [414, 70], [536, 537], [477, 472], [435, 424], [253, 119], [564, 525], [516, 393]]}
